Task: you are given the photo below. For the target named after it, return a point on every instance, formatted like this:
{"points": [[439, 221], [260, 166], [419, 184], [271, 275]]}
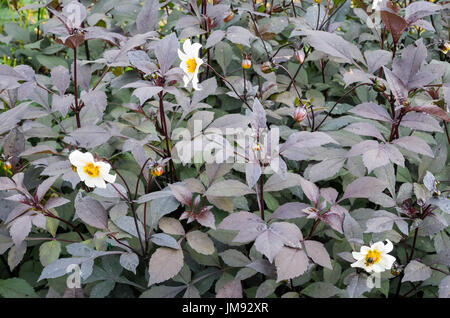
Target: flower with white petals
{"points": [[190, 63], [92, 173], [374, 258]]}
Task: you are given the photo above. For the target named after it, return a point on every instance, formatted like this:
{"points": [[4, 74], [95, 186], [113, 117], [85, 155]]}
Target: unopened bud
{"points": [[157, 171], [246, 64], [256, 147], [300, 114], [7, 165], [379, 87], [396, 269], [229, 17], [300, 56], [445, 47], [266, 67], [406, 103]]}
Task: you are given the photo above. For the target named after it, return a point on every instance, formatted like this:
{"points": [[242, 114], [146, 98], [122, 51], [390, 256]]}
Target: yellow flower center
{"points": [[91, 170], [191, 65], [372, 257]]}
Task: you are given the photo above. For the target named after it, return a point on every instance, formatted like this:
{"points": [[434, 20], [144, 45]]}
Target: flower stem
{"points": [[131, 203], [101, 77], [75, 83], [261, 196], [338, 101], [50, 214], [231, 85], [166, 136], [414, 244]]}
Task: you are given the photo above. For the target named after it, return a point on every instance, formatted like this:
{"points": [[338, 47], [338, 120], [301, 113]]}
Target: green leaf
{"points": [[52, 224], [332, 275], [272, 203], [385, 288], [16, 288], [49, 252], [50, 61], [321, 290], [223, 55]]}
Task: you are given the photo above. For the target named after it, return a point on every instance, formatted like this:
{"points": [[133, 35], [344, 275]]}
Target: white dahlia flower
{"points": [[190, 63], [374, 258], [92, 173]]}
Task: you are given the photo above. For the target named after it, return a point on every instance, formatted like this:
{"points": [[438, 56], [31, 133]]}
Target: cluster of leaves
{"points": [[367, 162]]}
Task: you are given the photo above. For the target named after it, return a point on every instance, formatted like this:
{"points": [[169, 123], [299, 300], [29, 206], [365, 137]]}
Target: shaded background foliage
{"points": [[360, 97]]}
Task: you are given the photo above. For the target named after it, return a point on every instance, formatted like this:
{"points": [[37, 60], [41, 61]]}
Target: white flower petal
{"points": [[359, 263], [89, 181], [199, 62], [368, 269], [387, 261], [186, 80], [377, 268], [195, 84], [182, 56], [194, 49], [379, 246], [358, 256], [365, 249], [108, 177], [195, 81], [81, 173], [104, 166], [99, 182], [183, 66], [80, 159], [388, 247], [187, 46]]}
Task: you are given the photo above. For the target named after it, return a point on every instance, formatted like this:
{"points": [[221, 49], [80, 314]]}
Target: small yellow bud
{"points": [[445, 47], [157, 171], [395, 272], [7, 165], [246, 64], [396, 269], [256, 147]]}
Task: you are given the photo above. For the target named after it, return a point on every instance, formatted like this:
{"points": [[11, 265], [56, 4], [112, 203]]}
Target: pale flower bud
{"points": [[300, 56], [300, 114], [266, 67], [229, 17]]}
